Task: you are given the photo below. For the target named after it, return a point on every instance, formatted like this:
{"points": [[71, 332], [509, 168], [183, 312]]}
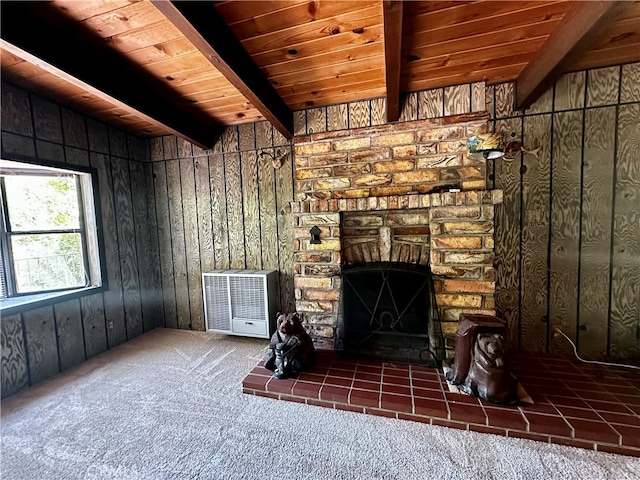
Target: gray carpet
{"points": [[168, 405]]}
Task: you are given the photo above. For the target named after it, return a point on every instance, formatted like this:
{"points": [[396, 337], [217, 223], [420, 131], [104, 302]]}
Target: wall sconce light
{"points": [[486, 145], [315, 235], [276, 161]]}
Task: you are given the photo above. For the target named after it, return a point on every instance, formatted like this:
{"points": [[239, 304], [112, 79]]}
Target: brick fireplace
{"points": [[375, 194]]}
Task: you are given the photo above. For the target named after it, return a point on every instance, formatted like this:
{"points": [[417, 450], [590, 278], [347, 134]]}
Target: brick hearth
{"points": [[575, 404]]}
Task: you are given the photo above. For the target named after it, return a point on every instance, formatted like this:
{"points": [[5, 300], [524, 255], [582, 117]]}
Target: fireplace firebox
{"points": [[389, 313]]}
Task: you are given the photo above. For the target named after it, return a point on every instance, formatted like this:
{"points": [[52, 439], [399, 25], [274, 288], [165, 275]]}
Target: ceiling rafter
{"points": [[102, 72], [203, 26], [392, 17], [577, 30]]}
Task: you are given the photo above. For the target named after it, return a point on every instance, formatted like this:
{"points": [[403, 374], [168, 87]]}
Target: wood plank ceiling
{"points": [[189, 68]]}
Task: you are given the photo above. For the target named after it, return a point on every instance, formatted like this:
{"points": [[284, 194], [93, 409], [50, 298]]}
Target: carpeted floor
{"points": [[169, 405]]}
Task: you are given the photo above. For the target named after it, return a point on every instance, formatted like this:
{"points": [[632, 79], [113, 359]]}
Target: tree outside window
{"points": [[47, 236]]}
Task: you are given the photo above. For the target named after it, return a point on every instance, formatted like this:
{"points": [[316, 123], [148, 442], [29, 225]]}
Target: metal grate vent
{"points": [[217, 302], [247, 297]]}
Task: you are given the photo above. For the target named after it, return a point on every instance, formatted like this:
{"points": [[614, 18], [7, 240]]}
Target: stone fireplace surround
{"points": [[368, 190]]}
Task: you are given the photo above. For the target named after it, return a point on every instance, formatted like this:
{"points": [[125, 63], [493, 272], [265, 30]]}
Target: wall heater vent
{"points": [[240, 302]]}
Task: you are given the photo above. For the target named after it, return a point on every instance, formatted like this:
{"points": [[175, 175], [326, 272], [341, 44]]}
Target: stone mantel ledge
{"points": [[399, 202]]}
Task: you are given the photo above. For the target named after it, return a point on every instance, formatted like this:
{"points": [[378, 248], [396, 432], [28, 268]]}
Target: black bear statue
{"points": [[291, 348]]}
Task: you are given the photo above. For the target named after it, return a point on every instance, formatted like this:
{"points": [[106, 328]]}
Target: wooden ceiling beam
{"points": [[205, 28], [579, 27], [392, 17], [83, 60]]}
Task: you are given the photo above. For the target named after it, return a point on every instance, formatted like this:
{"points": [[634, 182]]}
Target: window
{"points": [[49, 230]]}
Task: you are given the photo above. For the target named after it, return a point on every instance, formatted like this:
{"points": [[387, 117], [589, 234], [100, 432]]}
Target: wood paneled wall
{"points": [[39, 343], [222, 208], [568, 232]]}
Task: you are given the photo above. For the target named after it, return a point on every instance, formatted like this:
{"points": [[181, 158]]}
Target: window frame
{"points": [[96, 274]]}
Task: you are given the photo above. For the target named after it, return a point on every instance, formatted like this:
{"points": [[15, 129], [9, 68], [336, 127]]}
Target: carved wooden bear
{"points": [[291, 348], [488, 377]]}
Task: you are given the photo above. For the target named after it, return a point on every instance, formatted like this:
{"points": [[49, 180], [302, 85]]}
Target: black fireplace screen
{"points": [[388, 312]]}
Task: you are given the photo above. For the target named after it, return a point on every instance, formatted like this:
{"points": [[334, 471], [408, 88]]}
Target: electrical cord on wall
{"points": [[575, 352]]}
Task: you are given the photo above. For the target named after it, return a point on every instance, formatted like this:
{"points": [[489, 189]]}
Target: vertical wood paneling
{"points": [[137, 148], [178, 244], [49, 151], [164, 244], [41, 343], [337, 117], [457, 99], [117, 143], [431, 103], [478, 102], [152, 251], [204, 209], [569, 91], [629, 85], [251, 211], [317, 120], [359, 114], [565, 227], [14, 373], [98, 136], [597, 199], [192, 244], [268, 214], [127, 246], [143, 244], [70, 334], [507, 236], [279, 139], [300, 122], [95, 331], [535, 236], [235, 217], [246, 137], [489, 98], [603, 86], [170, 147], [249, 182], [378, 111], [15, 114], [504, 100], [219, 211], [74, 130], [46, 119], [284, 195], [264, 135], [113, 298], [156, 149], [185, 149], [409, 107], [230, 139], [625, 273], [544, 104]]}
